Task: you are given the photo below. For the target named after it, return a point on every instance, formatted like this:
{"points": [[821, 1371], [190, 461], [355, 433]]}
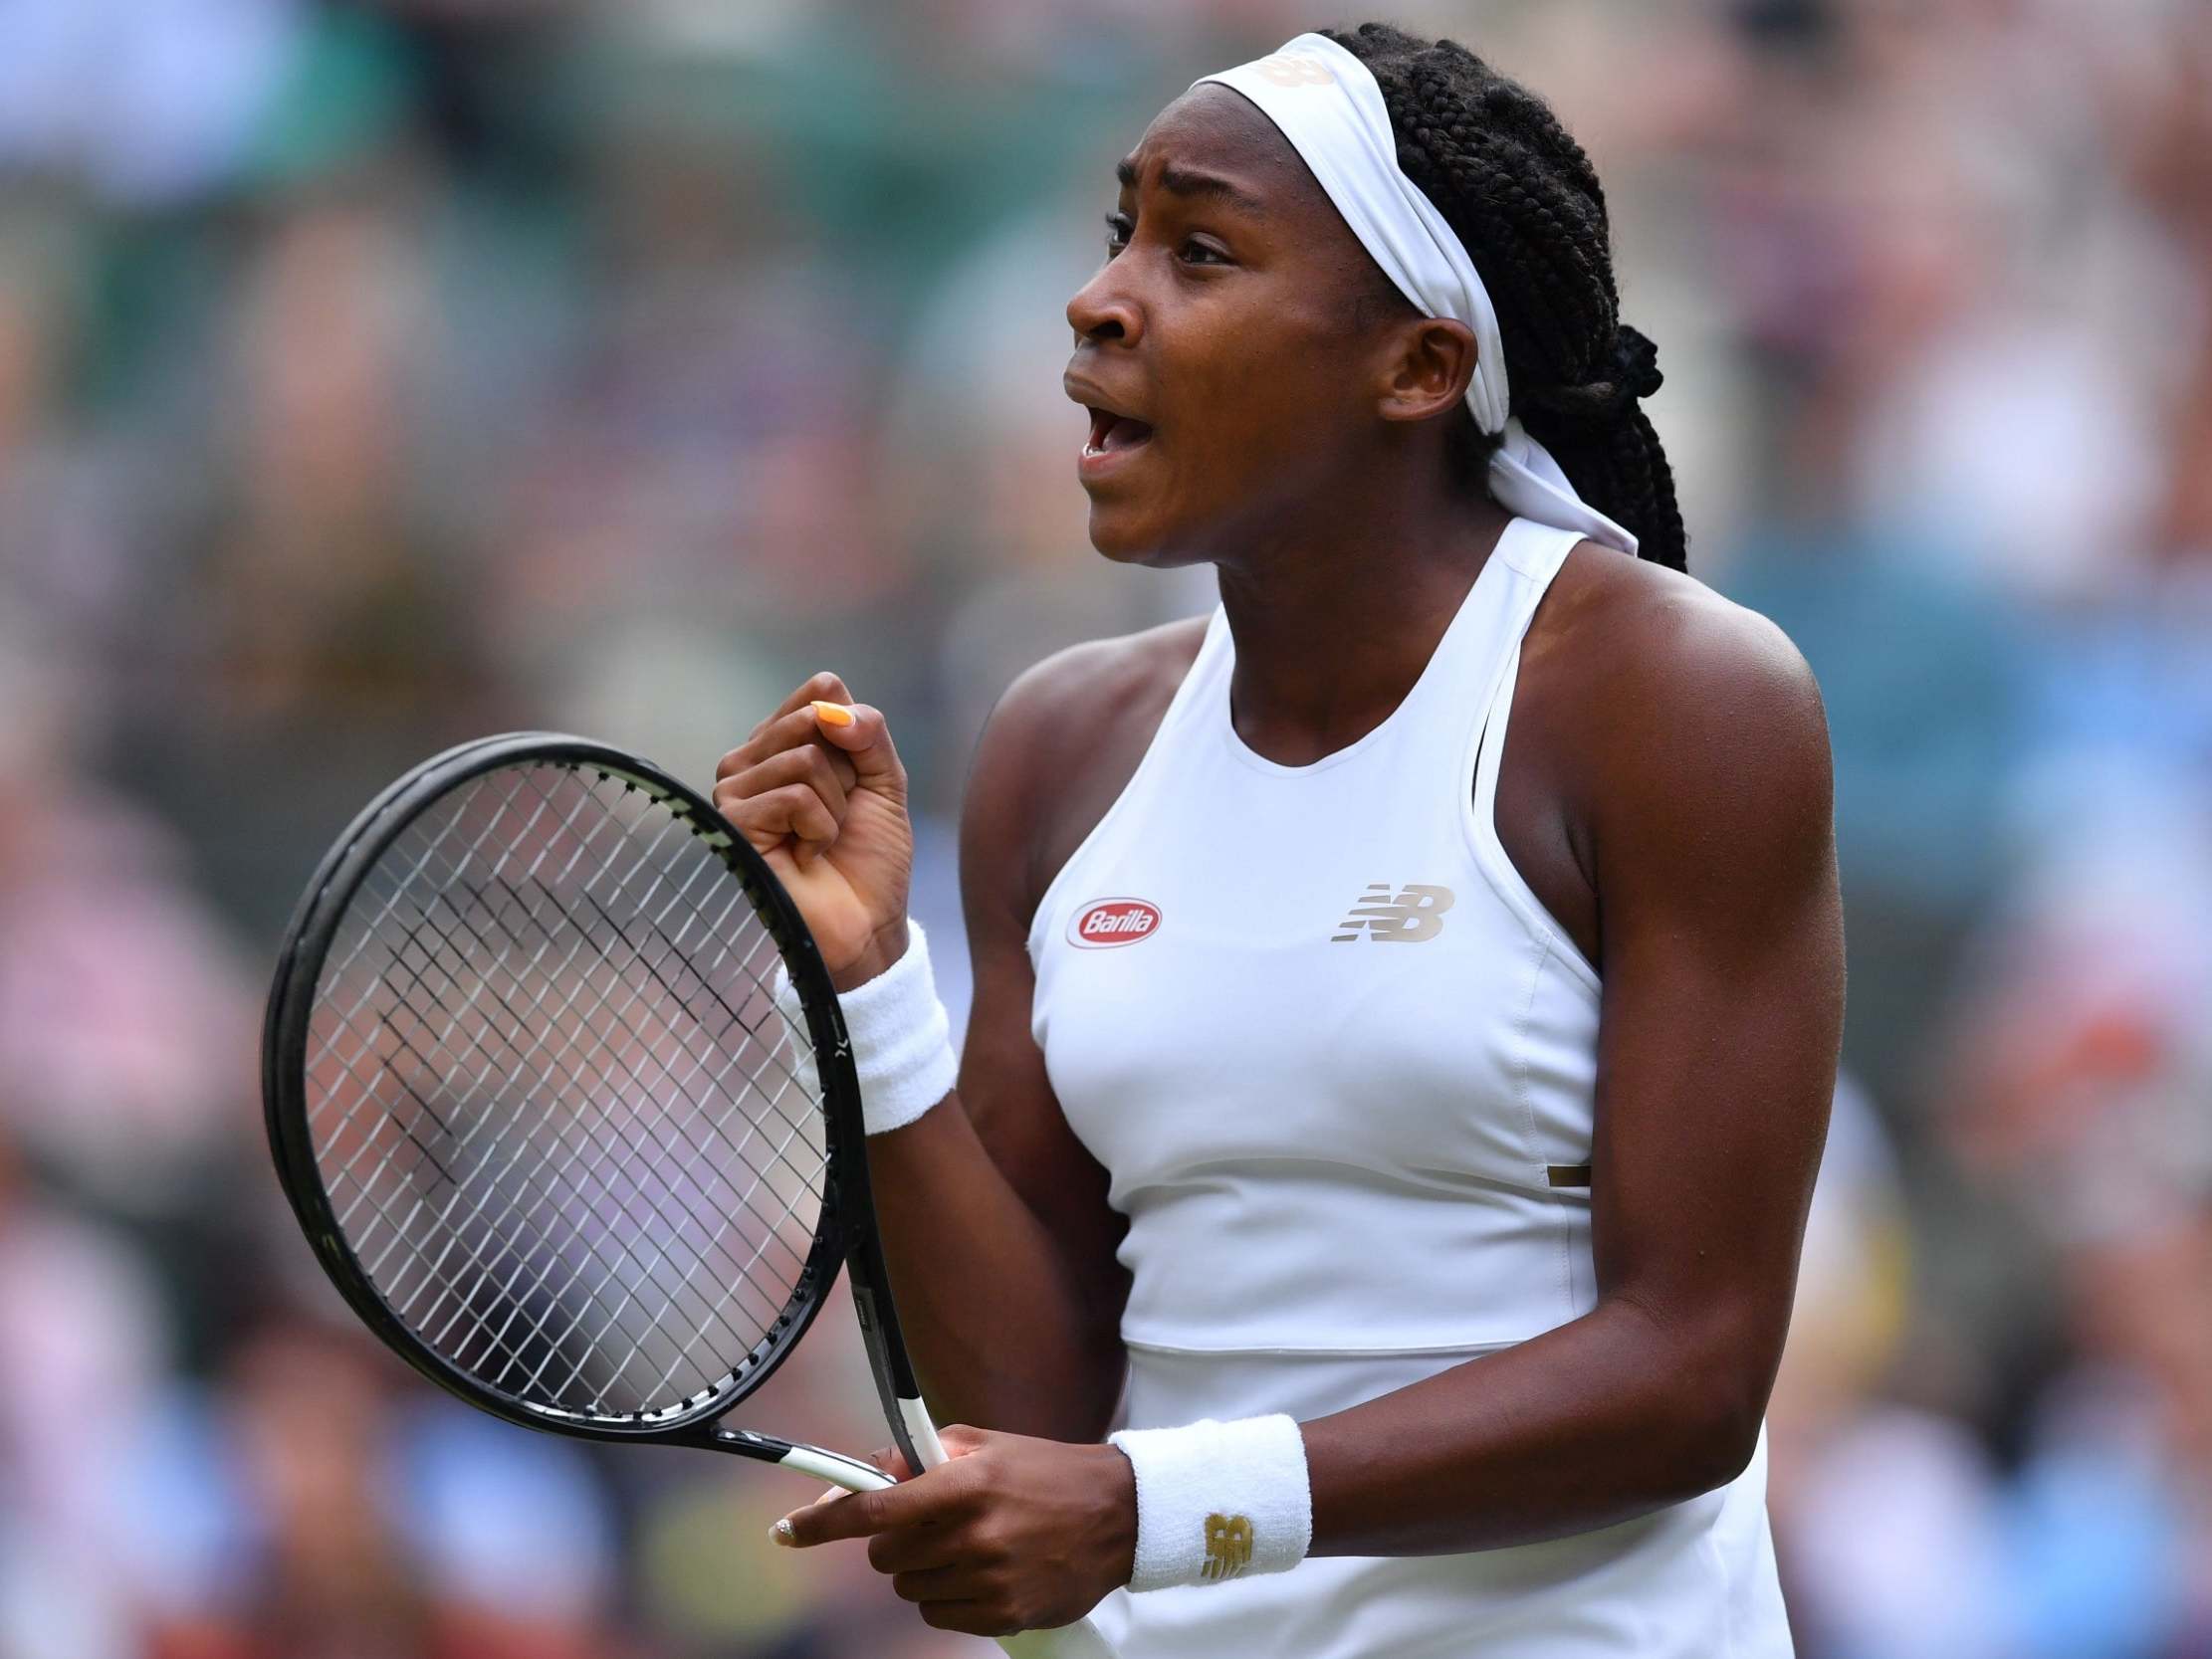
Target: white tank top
{"points": [[1338, 1063]]}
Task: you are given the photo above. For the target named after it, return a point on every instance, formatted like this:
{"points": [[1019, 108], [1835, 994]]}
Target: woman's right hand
{"points": [[823, 800]]}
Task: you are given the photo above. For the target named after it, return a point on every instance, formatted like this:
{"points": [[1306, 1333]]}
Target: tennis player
{"points": [[1407, 999]]}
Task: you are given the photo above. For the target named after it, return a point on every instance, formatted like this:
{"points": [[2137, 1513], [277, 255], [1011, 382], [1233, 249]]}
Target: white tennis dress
{"points": [[1338, 1062]]}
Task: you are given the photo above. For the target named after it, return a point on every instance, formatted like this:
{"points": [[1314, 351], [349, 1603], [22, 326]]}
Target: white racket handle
{"points": [[1080, 1640], [846, 1474]]}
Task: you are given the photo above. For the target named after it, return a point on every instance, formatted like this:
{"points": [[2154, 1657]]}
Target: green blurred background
{"points": [[376, 375]]}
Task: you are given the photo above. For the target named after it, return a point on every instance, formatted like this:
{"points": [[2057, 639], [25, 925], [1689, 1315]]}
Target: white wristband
{"points": [[902, 1048], [1217, 1501]]}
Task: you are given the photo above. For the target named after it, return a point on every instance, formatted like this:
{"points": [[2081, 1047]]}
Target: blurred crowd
{"points": [[375, 375]]}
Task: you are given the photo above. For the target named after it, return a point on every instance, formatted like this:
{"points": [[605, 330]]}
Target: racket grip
{"points": [[1073, 1641]]}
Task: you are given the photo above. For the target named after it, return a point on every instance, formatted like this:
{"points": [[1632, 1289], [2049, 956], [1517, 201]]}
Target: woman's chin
{"points": [[1127, 539], [1118, 535]]}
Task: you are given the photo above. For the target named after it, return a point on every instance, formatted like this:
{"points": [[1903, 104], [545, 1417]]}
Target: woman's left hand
{"points": [[1009, 1534]]}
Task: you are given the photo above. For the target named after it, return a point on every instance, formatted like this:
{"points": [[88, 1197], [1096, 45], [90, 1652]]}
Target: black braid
{"points": [[1523, 197]]}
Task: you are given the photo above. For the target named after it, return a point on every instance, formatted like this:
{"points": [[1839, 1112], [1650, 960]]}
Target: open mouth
{"points": [[1111, 433]]}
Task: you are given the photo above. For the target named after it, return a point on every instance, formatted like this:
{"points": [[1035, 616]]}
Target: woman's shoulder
{"points": [[1638, 670], [1633, 628], [1103, 684], [1060, 746]]}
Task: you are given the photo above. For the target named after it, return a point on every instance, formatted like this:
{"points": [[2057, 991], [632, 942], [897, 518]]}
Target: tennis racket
{"points": [[535, 1104]]}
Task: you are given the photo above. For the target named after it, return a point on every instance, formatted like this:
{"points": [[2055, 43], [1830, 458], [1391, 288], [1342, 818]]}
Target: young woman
{"points": [[1407, 1000]]}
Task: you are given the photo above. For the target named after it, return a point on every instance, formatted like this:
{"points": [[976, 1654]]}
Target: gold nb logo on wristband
{"points": [[1228, 1547]]}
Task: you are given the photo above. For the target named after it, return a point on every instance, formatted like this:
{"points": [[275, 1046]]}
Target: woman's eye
{"points": [[1119, 228]]}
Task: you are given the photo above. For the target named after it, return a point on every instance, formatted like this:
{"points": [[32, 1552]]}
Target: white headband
{"points": [[1328, 105]]}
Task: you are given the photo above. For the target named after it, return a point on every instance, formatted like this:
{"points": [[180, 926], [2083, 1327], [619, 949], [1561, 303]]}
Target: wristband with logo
{"points": [[1218, 1501], [902, 1048]]}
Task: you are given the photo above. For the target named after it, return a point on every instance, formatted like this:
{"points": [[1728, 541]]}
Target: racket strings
{"points": [[562, 1125], [595, 1293], [525, 1208], [620, 1016], [595, 1154], [596, 1158]]}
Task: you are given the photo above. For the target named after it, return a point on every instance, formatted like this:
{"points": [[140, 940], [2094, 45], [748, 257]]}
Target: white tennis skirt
{"points": [[1695, 1580]]}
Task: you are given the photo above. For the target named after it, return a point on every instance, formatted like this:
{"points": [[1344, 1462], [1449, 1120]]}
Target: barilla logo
{"points": [[1107, 921]]}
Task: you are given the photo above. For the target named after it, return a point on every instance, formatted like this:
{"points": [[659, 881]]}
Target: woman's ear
{"points": [[1427, 364]]}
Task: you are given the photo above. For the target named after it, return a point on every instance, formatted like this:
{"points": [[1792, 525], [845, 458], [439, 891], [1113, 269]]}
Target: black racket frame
{"points": [[846, 1234]]}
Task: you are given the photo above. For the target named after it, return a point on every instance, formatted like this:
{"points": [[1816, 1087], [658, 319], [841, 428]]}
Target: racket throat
{"points": [[896, 1386]]}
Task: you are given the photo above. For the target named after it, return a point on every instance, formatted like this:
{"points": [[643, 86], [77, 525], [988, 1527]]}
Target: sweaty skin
{"points": [[1664, 790]]}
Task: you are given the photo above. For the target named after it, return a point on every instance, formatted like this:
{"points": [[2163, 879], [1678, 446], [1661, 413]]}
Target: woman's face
{"points": [[1238, 324]]}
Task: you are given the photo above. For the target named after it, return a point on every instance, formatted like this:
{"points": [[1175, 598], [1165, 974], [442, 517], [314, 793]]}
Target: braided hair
{"points": [[1523, 197]]}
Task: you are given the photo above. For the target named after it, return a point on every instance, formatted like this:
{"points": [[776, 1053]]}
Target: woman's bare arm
{"points": [[1707, 785], [1016, 1323], [993, 1218]]}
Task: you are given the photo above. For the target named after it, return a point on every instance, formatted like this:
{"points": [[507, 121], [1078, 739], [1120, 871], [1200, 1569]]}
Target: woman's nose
{"points": [[1103, 310]]}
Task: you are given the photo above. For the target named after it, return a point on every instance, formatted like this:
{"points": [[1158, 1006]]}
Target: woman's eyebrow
{"points": [[1189, 182]]}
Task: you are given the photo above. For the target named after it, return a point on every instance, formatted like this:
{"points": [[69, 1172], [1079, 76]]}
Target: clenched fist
{"points": [[819, 792]]}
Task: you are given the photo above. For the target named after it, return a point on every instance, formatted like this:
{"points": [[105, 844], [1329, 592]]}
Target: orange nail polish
{"points": [[833, 714]]}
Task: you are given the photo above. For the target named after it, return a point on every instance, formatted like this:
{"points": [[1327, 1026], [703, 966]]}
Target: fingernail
{"points": [[782, 1534], [834, 713]]}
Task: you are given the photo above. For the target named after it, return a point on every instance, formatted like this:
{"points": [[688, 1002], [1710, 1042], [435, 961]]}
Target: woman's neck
{"points": [[1334, 621]]}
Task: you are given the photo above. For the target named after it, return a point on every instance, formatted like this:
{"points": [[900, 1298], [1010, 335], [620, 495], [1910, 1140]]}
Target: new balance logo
{"points": [[1417, 913], [1228, 1548]]}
